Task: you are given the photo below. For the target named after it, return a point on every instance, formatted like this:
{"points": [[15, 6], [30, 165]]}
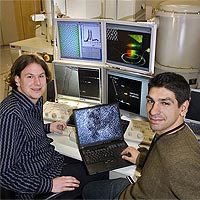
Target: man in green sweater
{"points": [[170, 169]]}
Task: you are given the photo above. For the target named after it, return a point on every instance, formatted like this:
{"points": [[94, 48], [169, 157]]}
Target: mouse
{"points": [[60, 127], [127, 154]]}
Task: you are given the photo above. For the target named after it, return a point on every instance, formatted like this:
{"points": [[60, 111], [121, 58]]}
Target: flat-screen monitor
{"points": [[128, 89], [131, 45], [80, 39], [194, 108], [78, 82]]}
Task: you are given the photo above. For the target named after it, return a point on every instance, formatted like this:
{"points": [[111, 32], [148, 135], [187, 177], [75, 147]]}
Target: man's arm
{"points": [[135, 156], [12, 173]]}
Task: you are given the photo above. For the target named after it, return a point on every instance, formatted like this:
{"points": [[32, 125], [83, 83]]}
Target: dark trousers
{"points": [[76, 168], [105, 189]]}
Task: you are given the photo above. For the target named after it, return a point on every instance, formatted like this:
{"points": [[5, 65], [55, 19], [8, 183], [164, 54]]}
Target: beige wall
{"points": [[150, 5], [15, 20], [153, 3], [1, 39], [8, 22]]}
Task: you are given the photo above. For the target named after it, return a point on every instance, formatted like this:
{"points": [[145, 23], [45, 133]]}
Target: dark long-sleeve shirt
{"points": [[28, 160]]}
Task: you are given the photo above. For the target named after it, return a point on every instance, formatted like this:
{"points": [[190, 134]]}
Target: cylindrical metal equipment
{"points": [[178, 38]]}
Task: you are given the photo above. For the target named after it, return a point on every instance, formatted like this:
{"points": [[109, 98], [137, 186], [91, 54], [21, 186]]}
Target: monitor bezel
{"points": [[60, 97], [133, 76], [192, 102], [153, 31], [57, 52]]}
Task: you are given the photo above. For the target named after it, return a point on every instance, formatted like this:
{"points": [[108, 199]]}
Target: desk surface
{"points": [[66, 146]]}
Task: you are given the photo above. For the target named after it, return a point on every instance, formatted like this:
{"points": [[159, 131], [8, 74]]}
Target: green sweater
{"points": [[172, 170]]}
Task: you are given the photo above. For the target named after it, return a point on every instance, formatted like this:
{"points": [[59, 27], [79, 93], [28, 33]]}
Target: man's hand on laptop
{"points": [[130, 154]]}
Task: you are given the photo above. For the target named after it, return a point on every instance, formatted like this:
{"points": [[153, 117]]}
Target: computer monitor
{"points": [[194, 108], [80, 39], [192, 118], [128, 89], [131, 45], [78, 82]]}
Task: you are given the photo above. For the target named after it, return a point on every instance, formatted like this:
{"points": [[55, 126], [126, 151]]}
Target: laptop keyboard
{"points": [[104, 153]]}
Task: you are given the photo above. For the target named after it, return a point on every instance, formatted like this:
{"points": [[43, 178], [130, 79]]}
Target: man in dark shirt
{"points": [[30, 166]]}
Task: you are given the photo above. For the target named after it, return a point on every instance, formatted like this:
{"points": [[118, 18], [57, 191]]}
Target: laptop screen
{"points": [[194, 108], [98, 124]]}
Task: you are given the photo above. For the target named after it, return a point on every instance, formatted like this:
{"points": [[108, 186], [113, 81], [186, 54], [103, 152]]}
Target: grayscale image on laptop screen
{"points": [[97, 124]]}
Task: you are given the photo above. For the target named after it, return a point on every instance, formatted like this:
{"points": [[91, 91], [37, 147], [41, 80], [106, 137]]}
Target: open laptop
{"points": [[100, 137], [193, 115]]}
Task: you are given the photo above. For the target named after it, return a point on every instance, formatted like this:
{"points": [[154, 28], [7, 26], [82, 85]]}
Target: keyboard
{"points": [[53, 111], [139, 131], [104, 153]]}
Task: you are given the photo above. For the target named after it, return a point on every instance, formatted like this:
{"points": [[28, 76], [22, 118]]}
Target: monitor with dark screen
{"points": [[192, 118], [128, 90], [77, 82], [194, 107]]}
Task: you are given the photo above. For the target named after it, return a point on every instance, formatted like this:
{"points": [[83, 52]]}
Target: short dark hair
{"points": [[173, 82], [21, 62]]}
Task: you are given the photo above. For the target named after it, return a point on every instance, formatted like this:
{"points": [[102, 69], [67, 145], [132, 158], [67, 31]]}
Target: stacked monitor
{"points": [[192, 116], [131, 46], [80, 40], [128, 89], [78, 82], [194, 108], [104, 61]]}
